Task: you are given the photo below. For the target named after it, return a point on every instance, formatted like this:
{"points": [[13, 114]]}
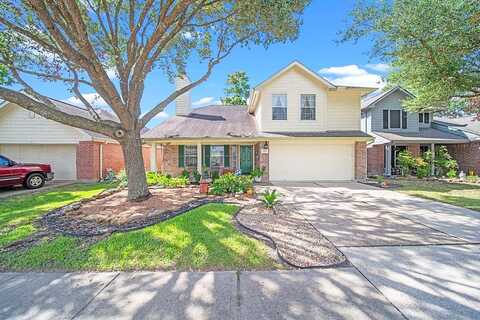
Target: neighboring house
{"points": [[297, 127], [74, 154], [396, 129], [466, 154]]}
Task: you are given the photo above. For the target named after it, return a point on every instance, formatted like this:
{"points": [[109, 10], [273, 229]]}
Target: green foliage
{"points": [[230, 183], [196, 176], [166, 181], [433, 47], [472, 179], [122, 178], [238, 89], [444, 163], [406, 162], [270, 198], [215, 175], [256, 173], [380, 179], [422, 167]]}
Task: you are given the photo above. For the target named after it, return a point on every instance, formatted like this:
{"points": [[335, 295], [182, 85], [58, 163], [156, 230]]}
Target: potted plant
{"points": [[257, 174]]}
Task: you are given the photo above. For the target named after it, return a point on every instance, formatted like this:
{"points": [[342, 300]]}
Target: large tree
{"points": [[432, 45], [79, 43], [238, 89]]}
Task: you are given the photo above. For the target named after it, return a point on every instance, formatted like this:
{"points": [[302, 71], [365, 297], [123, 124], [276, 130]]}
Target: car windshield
{"points": [[4, 162]]}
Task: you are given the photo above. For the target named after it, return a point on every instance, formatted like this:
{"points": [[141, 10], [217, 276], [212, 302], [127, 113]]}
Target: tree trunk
{"points": [[134, 167]]}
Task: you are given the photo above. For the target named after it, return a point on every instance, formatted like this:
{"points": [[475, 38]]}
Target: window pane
{"points": [[394, 118], [279, 100], [385, 119], [404, 120], [216, 156], [3, 162], [190, 155], [420, 117], [307, 107], [426, 117], [279, 113]]}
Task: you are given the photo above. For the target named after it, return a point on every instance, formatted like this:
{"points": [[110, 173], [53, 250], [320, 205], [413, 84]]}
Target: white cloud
{"points": [[380, 67], [205, 101], [351, 75], [188, 35], [93, 98], [160, 115]]}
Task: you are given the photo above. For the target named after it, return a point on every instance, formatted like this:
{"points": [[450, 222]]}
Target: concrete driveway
{"points": [[423, 256]]}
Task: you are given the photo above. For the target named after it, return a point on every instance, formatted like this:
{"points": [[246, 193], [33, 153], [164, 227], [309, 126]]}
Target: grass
{"points": [[202, 239], [18, 213], [458, 194]]}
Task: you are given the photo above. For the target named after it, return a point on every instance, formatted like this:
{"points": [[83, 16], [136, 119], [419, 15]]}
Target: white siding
{"points": [[335, 110], [313, 161], [18, 125]]}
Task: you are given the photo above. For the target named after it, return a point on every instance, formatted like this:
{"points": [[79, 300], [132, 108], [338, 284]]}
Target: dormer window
{"points": [[424, 117], [395, 119], [307, 107], [279, 107]]}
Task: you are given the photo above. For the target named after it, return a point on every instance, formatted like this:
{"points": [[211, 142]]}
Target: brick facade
{"points": [[261, 159], [88, 159], [467, 156], [414, 149], [376, 160], [169, 160], [360, 160]]}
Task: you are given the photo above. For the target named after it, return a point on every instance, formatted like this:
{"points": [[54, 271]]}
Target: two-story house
{"points": [[396, 129], [297, 127]]}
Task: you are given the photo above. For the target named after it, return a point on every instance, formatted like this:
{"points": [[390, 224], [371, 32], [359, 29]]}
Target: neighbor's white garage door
{"points": [[311, 161], [61, 157]]}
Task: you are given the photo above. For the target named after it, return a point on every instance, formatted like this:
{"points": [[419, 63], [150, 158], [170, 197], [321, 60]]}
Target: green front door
{"points": [[246, 159]]}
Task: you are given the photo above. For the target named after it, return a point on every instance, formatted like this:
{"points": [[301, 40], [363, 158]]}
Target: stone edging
{"points": [[281, 257], [52, 222]]}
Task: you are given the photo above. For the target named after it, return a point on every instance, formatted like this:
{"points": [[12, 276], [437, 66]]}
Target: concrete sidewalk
{"points": [[309, 294]]}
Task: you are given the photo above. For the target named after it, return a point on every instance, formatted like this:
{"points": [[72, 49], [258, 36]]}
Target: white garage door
{"points": [[61, 157], [311, 161]]}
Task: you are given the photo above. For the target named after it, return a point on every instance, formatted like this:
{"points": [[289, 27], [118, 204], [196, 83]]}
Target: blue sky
{"points": [[346, 63]]}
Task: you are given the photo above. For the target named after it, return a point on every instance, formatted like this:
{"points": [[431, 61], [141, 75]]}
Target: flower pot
{"points": [[204, 185]]}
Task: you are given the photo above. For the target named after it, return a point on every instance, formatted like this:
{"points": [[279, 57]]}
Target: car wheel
{"points": [[35, 181]]}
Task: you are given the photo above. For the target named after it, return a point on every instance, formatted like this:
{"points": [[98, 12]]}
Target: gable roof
{"points": [[378, 95], [78, 111], [215, 121], [467, 123]]}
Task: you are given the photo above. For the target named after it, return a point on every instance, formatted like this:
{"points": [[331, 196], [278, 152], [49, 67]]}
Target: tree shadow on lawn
{"points": [[433, 186], [202, 239]]}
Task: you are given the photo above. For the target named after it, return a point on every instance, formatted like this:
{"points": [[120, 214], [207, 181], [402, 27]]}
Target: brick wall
{"points": [[414, 149], [88, 159], [467, 156], [261, 160], [169, 162], [375, 160], [360, 160]]}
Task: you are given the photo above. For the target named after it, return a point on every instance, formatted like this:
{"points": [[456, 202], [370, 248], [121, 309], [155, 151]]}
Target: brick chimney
{"points": [[183, 103]]}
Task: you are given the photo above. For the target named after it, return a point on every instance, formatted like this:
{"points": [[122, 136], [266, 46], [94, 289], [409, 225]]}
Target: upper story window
{"points": [[395, 119], [424, 117], [279, 107], [307, 107]]}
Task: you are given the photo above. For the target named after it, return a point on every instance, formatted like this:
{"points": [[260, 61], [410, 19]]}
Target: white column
{"points": [[153, 158], [199, 158], [432, 148]]}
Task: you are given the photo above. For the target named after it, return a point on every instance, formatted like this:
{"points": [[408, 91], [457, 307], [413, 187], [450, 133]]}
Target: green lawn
{"points": [[458, 194], [202, 239], [17, 213]]}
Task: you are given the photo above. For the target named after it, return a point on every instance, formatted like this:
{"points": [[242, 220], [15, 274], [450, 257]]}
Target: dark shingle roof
{"points": [[424, 135], [207, 122], [469, 123]]}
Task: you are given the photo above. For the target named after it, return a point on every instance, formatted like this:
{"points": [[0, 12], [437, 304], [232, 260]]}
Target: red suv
{"points": [[31, 175]]}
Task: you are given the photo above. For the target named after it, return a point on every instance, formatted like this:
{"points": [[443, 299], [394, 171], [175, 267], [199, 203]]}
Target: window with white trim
{"points": [[279, 107], [190, 155], [217, 154], [307, 107], [424, 117]]}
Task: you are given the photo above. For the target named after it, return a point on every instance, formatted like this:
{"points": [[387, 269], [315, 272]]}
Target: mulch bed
{"points": [[298, 243], [112, 212]]}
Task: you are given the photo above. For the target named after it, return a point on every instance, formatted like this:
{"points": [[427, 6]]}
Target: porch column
{"points": [[388, 160], [153, 157], [199, 158], [432, 148]]}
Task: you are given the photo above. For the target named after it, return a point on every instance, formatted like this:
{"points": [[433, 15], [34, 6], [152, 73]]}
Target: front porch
{"points": [[216, 157]]}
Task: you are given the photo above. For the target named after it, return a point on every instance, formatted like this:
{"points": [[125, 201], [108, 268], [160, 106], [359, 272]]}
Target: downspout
{"points": [[101, 161]]}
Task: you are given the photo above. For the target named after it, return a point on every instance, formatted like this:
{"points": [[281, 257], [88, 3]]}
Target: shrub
{"points": [[154, 178], [230, 183], [122, 178], [444, 163], [270, 198], [256, 173], [196, 176], [185, 174], [471, 178], [215, 175], [422, 167], [406, 162]]}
